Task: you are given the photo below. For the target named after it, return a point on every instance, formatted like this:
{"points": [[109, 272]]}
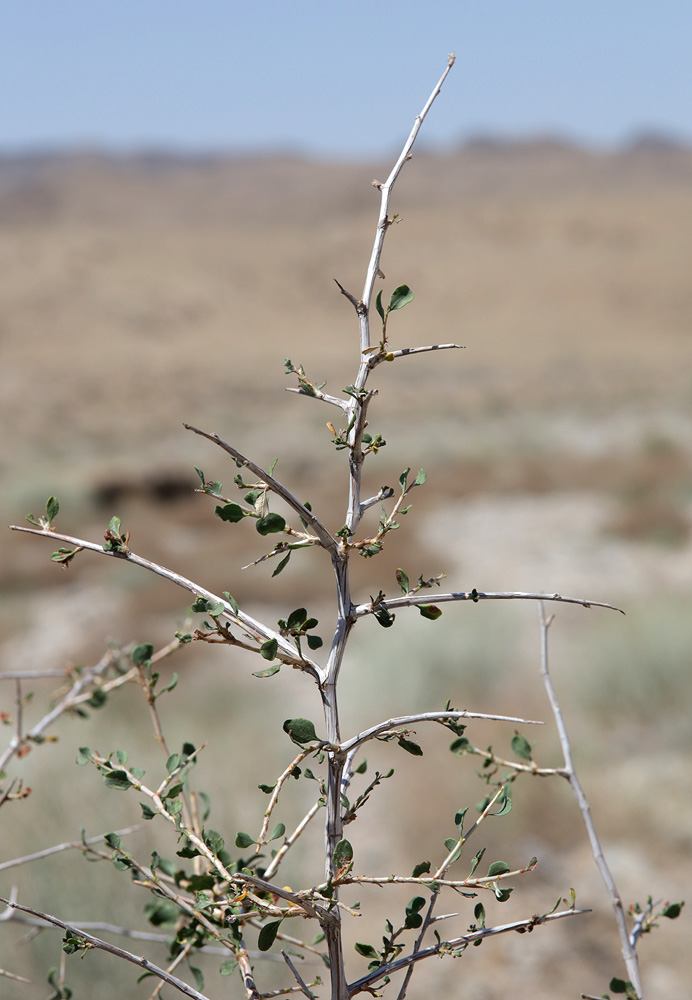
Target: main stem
{"points": [[356, 414]]}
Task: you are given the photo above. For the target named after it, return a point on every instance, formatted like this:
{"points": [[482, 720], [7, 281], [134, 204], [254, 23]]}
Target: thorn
{"points": [[356, 303]]}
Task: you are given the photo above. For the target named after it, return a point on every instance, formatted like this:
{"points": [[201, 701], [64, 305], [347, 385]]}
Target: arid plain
{"points": [[139, 293]]}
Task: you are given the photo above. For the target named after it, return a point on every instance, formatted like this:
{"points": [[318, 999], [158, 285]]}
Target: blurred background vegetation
{"points": [[138, 293]]}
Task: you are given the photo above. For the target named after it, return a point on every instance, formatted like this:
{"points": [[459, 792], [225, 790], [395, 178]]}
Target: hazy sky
{"points": [[337, 79]]}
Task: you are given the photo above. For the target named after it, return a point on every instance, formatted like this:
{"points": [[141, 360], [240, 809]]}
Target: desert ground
{"points": [[139, 293]]}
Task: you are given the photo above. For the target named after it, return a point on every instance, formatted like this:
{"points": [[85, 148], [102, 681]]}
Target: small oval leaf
{"points": [[300, 730], [267, 935], [401, 297], [269, 525]]}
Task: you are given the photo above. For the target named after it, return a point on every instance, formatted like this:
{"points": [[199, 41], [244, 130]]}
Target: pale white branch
{"points": [[404, 352], [112, 949], [258, 630], [475, 596], [455, 943], [77, 845], [318, 394], [324, 536], [391, 725], [629, 953]]}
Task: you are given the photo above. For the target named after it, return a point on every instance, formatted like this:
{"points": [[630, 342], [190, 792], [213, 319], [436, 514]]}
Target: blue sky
{"points": [[337, 79]]}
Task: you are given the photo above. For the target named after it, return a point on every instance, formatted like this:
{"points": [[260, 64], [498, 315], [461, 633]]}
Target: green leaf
{"points": [[384, 617], [416, 904], [118, 780], [521, 747], [173, 683], [52, 508], [672, 910], [142, 654], [421, 478], [269, 525], [314, 641], [366, 950], [476, 860], [282, 565], [268, 649], [300, 730], [244, 840], [296, 618], [403, 581], [410, 747], [269, 672], [161, 912], [459, 819], [378, 305], [70, 945], [423, 868], [498, 868], [479, 914], [505, 803], [147, 811], [455, 848], [620, 985], [430, 611], [232, 601], [403, 478], [342, 856], [401, 296], [114, 525], [278, 831], [198, 883], [267, 935], [460, 746], [228, 967], [232, 512]]}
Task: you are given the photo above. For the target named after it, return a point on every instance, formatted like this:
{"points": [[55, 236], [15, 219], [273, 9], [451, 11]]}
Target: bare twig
{"points": [[12, 975], [629, 953], [112, 949], [391, 725], [475, 596], [298, 978], [384, 221], [77, 845], [280, 781], [324, 536], [290, 841], [365, 983], [258, 630], [404, 352]]}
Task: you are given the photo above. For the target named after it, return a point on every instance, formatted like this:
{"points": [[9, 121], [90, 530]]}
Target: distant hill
{"points": [[150, 188]]}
